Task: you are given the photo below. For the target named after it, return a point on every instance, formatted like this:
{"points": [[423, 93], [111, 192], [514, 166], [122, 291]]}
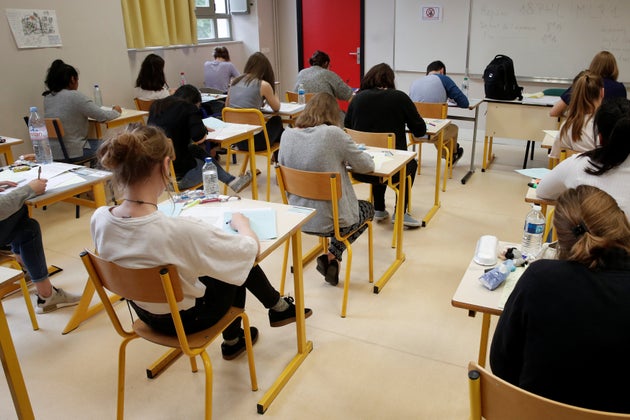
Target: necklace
{"points": [[141, 202]]}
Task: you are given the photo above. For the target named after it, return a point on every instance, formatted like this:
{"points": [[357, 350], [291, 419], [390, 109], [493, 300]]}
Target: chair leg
{"points": [[370, 252], [120, 403], [346, 283], [250, 352], [29, 303], [419, 157], [208, 371], [447, 155], [285, 261], [193, 364], [268, 176]]}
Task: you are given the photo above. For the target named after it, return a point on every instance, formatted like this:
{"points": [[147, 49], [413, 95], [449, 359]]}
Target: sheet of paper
{"points": [[261, 220], [536, 173], [285, 108], [207, 214], [380, 157], [214, 123], [509, 284]]}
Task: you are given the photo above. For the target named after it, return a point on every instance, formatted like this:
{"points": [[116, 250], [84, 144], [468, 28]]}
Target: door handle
{"points": [[358, 54]]}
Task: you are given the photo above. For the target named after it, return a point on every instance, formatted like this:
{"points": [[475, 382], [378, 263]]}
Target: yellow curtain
{"points": [[158, 23]]}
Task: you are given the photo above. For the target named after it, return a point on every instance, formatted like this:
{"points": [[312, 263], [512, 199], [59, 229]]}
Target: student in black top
{"points": [[565, 331]]}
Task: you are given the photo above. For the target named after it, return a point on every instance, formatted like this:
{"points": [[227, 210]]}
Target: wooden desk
{"points": [[8, 356], [389, 168], [5, 148], [471, 295], [532, 197], [289, 111], [517, 120], [127, 116], [232, 133], [435, 127], [473, 105]]}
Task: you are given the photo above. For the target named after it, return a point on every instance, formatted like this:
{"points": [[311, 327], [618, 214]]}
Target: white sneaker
{"points": [[380, 215], [408, 221], [58, 299], [240, 183]]}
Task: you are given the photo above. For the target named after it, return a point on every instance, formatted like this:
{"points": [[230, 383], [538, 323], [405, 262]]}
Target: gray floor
{"points": [[399, 354]]}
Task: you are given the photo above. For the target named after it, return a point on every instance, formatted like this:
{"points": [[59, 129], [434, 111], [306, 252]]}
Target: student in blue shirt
{"points": [[437, 87]]}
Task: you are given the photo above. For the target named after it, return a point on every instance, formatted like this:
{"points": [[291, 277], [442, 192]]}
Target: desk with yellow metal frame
{"points": [[5, 148]]}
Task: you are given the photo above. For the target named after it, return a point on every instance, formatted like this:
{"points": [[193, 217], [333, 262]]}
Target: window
{"points": [[213, 20]]}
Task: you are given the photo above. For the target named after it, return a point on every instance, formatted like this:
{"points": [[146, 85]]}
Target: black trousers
{"points": [[378, 189], [274, 130]]}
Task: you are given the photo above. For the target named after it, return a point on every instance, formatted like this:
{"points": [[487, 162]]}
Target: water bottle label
{"points": [[37, 133], [535, 228]]}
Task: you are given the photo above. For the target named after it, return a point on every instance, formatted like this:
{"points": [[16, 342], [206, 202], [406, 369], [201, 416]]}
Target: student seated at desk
{"points": [[180, 118], [604, 65], [216, 267], [318, 78], [218, 74], [563, 333], [62, 100], [576, 132], [151, 82], [318, 144], [25, 237], [379, 108], [437, 87], [250, 90], [606, 167]]}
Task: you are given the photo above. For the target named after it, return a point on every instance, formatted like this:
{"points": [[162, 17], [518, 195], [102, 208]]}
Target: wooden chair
{"points": [[434, 110], [385, 141], [159, 285], [7, 284], [142, 104], [293, 96], [493, 398], [324, 186], [253, 117]]}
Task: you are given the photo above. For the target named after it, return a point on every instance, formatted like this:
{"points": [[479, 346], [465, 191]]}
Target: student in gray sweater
{"points": [[318, 144], [25, 237], [62, 100]]}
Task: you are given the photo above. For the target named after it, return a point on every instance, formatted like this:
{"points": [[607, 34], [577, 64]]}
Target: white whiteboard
{"points": [[547, 39], [550, 39], [417, 43]]}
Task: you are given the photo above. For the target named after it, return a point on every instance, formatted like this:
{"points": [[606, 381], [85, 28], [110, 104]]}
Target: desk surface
{"points": [[230, 130], [286, 109], [10, 141], [543, 101]]}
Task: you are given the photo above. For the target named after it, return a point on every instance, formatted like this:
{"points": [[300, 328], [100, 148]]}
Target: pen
{"points": [[191, 204], [209, 200], [39, 172], [431, 124]]}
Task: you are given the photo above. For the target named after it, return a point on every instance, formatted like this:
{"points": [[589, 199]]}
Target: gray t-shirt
{"points": [[218, 74], [317, 79], [246, 95]]}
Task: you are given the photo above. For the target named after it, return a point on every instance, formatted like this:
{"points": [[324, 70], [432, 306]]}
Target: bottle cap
{"points": [[95, 86], [536, 207], [33, 109], [208, 159]]}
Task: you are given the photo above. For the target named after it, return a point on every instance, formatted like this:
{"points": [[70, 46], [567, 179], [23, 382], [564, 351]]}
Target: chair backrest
{"points": [[432, 109], [495, 399], [565, 153], [293, 96], [384, 140], [142, 104], [55, 131], [250, 116], [307, 184]]}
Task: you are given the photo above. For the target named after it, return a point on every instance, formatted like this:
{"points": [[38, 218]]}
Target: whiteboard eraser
{"points": [[486, 252]]}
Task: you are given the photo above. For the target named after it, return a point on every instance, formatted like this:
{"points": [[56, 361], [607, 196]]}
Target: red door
{"points": [[335, 27]]}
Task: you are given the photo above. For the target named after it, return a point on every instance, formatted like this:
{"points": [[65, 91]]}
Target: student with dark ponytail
{"points": [[606, 167]]}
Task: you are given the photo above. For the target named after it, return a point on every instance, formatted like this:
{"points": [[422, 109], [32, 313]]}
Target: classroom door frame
{"points": [[300, 37]]}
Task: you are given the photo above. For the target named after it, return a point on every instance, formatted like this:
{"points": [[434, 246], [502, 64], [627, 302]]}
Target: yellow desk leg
{"points": [[303, 347], [438, 166], [398, 226], [83, 310], [483, 341], [13, 372], [99, 194], [252, 166]]}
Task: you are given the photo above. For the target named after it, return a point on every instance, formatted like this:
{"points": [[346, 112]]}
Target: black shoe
{"points": [[278, 319], [328, 269], [235, 350], [458, 154]]}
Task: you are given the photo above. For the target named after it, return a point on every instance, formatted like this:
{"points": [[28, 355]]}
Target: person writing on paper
{"points": [[318, 144], [604, 65], [576, 132], [318, 78], [379, 108], [216, 267], [250, 90], [62, 100], [151, 82], [563, 334], [606, 167], [25, 237], [437, 87], [218, 74], [179, 116]]}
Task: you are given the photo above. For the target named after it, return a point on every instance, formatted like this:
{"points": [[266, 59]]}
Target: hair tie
{"points": [[579, 230]]}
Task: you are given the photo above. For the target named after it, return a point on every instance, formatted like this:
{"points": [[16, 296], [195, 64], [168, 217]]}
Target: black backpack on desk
{"points": [[500, 81]]}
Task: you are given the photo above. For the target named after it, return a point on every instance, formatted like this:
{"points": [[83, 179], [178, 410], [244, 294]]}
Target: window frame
{"points": [[210, 14]]}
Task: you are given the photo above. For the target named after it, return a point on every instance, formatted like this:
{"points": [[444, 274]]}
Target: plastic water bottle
{"points": [[533, 232], [210, 179], [465, 86], [182, 79], [301, 94], [39, 137], [98, 98]]}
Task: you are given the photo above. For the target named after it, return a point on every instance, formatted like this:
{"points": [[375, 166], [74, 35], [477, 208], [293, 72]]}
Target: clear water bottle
{"points": [[182, 79], [210, 179], [465, 86], [39, 137], [98, 98], [533, 232], [301, 94]]}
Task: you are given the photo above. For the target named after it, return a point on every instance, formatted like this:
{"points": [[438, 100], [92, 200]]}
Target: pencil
{"points": [[39, 172]]}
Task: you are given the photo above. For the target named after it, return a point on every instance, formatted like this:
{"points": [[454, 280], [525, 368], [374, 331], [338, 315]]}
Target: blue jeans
{"points": [[93, 145], [25, 237], [195, 176]]}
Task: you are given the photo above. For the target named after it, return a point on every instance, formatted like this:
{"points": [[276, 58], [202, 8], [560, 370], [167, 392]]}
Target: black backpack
{"points": [[500, 81]]}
